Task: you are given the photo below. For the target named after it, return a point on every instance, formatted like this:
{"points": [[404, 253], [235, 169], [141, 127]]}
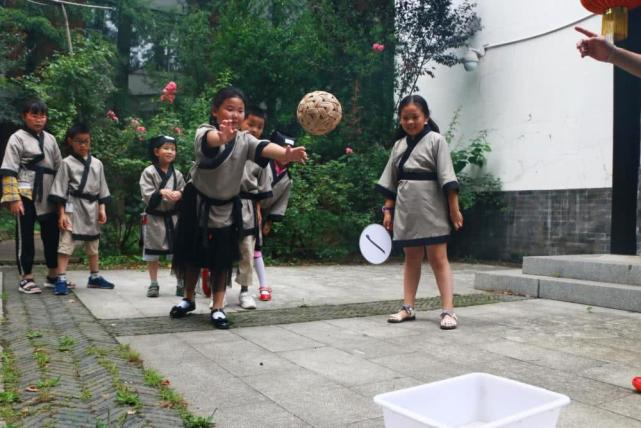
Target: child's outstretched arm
{"points": [[284, 155], [388, 209], [224, 134]]}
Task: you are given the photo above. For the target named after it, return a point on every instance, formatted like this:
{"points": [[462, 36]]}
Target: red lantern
{"points": [[614, 25]]}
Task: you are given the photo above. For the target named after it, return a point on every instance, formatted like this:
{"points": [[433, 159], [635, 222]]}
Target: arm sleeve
{"points": [[12, 155], [57, 157], [264, 184], [60, 186], [444, 167], [104, 196], [180, 180], [255, 149], [278, 208], [148, 189], [10, 192], [388, 182]]}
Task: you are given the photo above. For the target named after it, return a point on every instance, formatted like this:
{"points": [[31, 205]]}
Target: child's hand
{"points": [[226, 131], [16, 208], [259, 216], [297, 154], [178, 195], [388, 223], [457, 219], [64, 223], [102, 215], [267, 227]]}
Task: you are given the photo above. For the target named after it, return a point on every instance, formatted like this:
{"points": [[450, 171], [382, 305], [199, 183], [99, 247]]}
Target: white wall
{"points": [[547, 111]]}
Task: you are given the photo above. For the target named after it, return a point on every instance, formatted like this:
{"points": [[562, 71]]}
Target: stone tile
{"points": [[614, 374], [276, 338], [368, 423], [243, 358], [421, 367], [343, 368], [578, 415], [371, 390], [629, 406], [297, 379], [251, 415], [541, 356]]}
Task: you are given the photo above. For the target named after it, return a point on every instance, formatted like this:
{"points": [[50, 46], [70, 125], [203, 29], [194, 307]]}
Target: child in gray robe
{"points": [[210, 217], [30, 161], [254, 188], [161, 188], [273, 208], [421, 204], [80, 191]]}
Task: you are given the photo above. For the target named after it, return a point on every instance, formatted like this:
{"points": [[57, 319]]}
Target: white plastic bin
{"points": [[474, 400]]}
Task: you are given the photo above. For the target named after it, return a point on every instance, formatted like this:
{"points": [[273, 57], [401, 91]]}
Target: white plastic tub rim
{"points": [[560, 401]]}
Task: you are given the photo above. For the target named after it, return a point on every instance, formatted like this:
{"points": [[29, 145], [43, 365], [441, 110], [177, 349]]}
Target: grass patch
{"points": [[129, 354], [10, 395], [96, 351], [41, 357], [152, 378], [85, 395], [33, 334], [128, 397], [48, 383], [66, 343], [193, 421]]}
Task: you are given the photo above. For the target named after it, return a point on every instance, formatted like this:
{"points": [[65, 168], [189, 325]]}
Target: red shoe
{"points": [[265, 294]]}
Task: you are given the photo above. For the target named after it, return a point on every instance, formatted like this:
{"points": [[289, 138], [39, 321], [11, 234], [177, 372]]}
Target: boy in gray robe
{"points": [[80, 191], [273, 208], [161, 188], [30, 161], [254, 188]]}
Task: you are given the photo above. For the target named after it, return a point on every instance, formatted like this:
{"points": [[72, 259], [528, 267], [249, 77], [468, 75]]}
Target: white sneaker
{"points": [[246, 300]]}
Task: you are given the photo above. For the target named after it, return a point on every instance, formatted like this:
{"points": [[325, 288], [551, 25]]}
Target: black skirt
{"points": [[197, 247]]}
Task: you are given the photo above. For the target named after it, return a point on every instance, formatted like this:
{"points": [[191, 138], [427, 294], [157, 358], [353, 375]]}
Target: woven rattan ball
{"points": [[319, 112]]}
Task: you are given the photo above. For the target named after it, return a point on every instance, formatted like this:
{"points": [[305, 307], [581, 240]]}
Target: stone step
{"points": [[611, 268], [592, 293]]}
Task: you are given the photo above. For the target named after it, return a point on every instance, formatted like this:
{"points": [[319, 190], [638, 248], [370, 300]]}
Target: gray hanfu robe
{"points": [[274, 208], [218, 172], [33, 160], [255, 187], [418, 176], [160, 215], [80, 184]]}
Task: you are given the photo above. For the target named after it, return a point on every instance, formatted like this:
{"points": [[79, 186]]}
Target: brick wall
{"points": [[541, 222]]}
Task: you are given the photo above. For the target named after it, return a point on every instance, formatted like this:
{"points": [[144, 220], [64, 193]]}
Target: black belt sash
{"points": [[205, 206], [169, 224], [38, 183], [87, 196], [418, 176]]}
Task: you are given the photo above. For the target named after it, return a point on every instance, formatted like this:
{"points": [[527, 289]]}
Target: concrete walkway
{"points": [[326, 372]]}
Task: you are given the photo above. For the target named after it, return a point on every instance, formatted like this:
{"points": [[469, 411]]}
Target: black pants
{"points": [[49, 234]]}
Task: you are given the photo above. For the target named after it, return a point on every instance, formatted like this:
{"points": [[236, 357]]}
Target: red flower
{"points": [[348, 150], [377, 47], [141, 129], [178, 131], [169, 92], [134, 122], [170, 87]]}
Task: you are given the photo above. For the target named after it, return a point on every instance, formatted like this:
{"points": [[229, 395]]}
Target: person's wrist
{"points": [[387, 210], [614, 50]]}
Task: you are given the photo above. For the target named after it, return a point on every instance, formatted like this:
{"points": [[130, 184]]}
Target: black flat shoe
{"points": [[178, 311], [219, 322]]}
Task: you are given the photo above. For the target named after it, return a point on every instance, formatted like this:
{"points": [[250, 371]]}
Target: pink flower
{"points": [[377, 47], [111, 115], [170, 87], [134, 122], [167, 97], [178, 131], [141, 129], [348, 150]]}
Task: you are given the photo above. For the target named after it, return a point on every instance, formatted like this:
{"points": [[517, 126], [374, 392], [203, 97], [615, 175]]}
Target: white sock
{"points": [[218, 314], [62, 277], [259, 266], [185, 304], [95, 275]]}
